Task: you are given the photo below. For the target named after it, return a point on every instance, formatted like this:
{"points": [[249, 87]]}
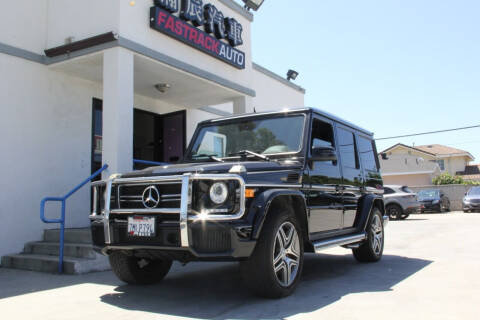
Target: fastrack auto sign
{"points": [[193, 14]]}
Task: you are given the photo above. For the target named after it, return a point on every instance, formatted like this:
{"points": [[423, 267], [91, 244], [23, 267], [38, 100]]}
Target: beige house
{"points": [[415, 166]]}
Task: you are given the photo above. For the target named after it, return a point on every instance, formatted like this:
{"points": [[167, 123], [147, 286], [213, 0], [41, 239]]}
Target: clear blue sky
{"points": [[392, 66]]}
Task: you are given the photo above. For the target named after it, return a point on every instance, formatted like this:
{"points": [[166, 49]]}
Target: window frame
{"points": [[358, 165], [334, 137]]}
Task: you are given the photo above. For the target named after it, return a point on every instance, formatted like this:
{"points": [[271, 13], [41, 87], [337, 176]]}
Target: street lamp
{"points": [[292, 75], [253, 4]]}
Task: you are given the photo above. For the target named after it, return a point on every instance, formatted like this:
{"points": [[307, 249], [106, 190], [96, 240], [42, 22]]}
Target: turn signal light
{"points": [[249, 193]]}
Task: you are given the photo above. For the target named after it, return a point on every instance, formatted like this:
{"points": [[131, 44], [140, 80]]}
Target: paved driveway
{"points": [[430, 270]]}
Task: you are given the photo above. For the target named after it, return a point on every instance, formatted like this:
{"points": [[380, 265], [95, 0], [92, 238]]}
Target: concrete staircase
{"points": [[42, 256]]}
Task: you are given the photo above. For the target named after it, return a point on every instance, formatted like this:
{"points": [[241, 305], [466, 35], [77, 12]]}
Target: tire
{"points": [[276, 242], [405, 216], [394, 211], [372, 249], [133, 270]]}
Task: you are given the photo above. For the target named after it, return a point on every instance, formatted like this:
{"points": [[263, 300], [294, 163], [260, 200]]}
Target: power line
{"points": [[430, 132]]}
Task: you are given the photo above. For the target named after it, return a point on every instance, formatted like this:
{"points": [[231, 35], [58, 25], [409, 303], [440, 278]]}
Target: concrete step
{"points": [[75, 250], [48, 263], [80, 235]]}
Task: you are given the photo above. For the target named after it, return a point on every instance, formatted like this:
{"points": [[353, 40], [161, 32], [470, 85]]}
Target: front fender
{"points": [[262, 203]]}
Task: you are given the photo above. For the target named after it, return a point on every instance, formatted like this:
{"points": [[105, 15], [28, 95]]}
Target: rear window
{"points": [[387, 190], [407, 189]]}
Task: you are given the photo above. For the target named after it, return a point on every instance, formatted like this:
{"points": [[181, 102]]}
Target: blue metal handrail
{"points": [[153, 163], [61, 220]]}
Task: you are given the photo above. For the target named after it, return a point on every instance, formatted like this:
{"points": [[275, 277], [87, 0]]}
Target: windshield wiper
{"points": [[209, 156], [245, 153]]}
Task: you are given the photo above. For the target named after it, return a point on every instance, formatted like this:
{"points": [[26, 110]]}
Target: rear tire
{"points": [[274, 269], [372, 249], [133, 270]]}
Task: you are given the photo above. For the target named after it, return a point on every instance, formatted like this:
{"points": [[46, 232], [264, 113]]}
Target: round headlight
{"points": [[218, 192]]}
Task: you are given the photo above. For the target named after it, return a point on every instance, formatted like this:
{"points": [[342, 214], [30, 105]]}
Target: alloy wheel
{"points": [[377, 235], [286, 254]]}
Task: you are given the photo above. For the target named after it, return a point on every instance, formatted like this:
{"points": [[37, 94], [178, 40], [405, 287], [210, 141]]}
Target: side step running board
{"points": [[340, 241]]}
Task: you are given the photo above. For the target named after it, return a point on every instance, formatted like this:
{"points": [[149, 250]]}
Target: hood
{"points": [[214, 167]]}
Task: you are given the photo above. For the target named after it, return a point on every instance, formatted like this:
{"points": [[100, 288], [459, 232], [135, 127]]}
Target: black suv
{"points": [[261, 189]]}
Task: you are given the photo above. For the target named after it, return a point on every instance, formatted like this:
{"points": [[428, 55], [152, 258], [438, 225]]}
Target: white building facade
{"points": [[87, 83]]}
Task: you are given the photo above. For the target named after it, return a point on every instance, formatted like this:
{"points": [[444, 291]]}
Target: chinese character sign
{"points": [[192, 10], [234, 32], [169, 5], [214, 21]]}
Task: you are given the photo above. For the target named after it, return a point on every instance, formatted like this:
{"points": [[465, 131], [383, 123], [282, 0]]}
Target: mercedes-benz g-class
{"points": [[261, 189]]}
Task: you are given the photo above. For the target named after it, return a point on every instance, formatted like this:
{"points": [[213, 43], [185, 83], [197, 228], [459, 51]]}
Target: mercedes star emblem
{"points": [[150, 197]]}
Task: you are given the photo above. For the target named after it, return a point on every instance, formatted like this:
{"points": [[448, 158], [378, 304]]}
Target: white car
{"points": [[400, 201]]}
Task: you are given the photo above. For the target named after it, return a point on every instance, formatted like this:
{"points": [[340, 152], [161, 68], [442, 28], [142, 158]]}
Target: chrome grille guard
{"points": [[185, 203]]}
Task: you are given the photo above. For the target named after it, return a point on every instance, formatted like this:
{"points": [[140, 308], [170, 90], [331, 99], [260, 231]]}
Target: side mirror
{"points": [[324, 154]]}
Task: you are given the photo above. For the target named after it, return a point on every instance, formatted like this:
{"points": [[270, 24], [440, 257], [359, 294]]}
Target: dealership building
{"points": [[87, 83]]}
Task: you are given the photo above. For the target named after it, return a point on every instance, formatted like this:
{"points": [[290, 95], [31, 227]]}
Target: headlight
{"points": [[466, 200], [435, 201], [218, 192]]}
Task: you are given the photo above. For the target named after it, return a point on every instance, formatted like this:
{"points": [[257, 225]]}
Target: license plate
{"points": [[141, 226]]}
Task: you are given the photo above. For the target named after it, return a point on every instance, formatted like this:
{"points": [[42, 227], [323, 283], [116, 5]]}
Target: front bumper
{"points": [[471, 206], [179, 233]]}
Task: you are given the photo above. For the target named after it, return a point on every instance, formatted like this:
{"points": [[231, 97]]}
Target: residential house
{"points": [[418, 165], [471, 173]]}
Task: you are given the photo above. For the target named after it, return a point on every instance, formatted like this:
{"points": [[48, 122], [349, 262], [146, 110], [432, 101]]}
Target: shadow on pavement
{"points": [[216, 291], [15, 282]]}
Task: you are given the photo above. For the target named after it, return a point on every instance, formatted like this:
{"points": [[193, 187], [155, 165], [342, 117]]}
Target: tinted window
{"points": [[388, 191], [367, 154], [407, 189], [348, 149], [322, 136]]}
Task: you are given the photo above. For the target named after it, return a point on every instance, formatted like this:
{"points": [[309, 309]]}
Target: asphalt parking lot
{"points": [[430, 270]]}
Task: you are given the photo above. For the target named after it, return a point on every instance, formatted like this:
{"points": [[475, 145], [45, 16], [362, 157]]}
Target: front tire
{"points": [[372, 249], [274, 269], [133, 270]]}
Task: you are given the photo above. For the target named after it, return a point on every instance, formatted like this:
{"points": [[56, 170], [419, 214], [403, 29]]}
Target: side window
{"points": [[367, 154], [348, 149], [322, 136]]}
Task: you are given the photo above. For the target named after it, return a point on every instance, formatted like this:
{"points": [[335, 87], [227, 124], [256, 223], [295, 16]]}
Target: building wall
{"points": [[455, 164], [23, 24], [452, 164], [67, 18], [408, 179], [273, 94], [134, 25], [45, 125]]}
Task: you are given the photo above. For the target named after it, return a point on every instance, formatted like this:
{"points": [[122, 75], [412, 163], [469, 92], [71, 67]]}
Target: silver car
{"points": [[400, 201]]}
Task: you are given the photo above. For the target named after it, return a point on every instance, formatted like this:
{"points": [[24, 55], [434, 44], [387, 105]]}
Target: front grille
{"points": [[131, 196], [475, 200]]}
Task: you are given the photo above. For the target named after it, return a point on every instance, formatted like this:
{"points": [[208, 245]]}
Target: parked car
{"points": [[471, 202], [400, 201], [433, 200], [261, 189]]}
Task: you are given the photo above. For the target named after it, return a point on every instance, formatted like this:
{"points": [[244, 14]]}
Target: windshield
{"points": [[263, 136], [474, 191], [428, 194]]}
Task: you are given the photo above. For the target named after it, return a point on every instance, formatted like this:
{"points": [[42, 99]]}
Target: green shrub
{"points": [[447, 178]]}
